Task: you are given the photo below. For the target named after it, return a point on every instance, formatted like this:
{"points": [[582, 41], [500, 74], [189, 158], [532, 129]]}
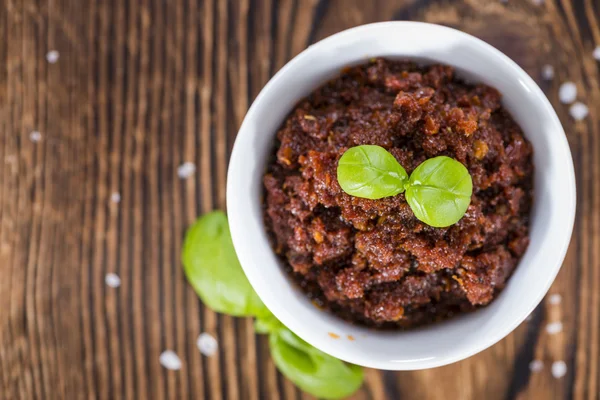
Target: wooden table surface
{"points": [[142, 86]]}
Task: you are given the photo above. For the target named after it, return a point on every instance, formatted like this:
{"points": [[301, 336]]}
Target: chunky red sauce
{"points": [[372, 261]]}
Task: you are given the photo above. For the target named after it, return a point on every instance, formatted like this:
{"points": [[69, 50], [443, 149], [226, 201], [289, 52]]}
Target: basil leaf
{"points": [[212, 268], [312, 370], [439, 191], [370, 172], [267, 323]]}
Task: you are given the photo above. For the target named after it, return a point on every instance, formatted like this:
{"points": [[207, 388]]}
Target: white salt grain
{"points": [[170, 360], [559, 369], [537, 2], [536, 365], [52, 56], [548, 72], [596, 53], [186, 170], [554, 299], [35, 136], [579, 111], [112, 280], [207, 344], [554, 328], [567, 93], [115, 197]]}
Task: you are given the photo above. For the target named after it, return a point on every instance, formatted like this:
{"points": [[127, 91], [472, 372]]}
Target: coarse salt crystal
{"points": [[112, 280], [579, 111], [35, 136], [596, 53], [548, 72], [567, 93], [554, 299], [207, 344], [115, 197], [559, 369], [170, 360], [537, 2], [52, 56], [536, 365], [186, 170], [554, 328]]}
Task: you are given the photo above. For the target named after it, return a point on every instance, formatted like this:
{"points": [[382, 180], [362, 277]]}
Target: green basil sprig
{"points": [[438, 190], [212, 268]]}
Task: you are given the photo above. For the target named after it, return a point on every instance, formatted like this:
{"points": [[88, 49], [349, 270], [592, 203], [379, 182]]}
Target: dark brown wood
{"points": [[142, 86]]}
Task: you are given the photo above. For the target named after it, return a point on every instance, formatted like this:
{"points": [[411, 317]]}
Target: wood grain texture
{"points": [[142, 86]]}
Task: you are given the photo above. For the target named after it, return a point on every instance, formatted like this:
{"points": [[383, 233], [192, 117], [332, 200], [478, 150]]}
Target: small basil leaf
{"points": [[212, 268], [439, 191], [370, 172], [312, 370]]}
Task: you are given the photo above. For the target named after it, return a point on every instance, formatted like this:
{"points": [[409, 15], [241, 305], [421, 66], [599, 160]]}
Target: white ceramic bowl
{"points": [[552, 215]]}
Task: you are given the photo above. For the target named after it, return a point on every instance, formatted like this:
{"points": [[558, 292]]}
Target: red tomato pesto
{"points": [[371, 261]]}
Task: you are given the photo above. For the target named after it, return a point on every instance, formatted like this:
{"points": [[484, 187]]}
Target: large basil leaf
{"points": [[312, 370], [213, 270]]}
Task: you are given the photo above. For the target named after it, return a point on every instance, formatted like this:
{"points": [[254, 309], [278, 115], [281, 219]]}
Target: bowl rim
{"points": [[238, 232]]}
